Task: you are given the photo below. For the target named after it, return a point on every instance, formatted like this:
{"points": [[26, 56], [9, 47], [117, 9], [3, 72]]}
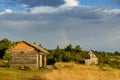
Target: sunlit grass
{"points": [[62, 71]]}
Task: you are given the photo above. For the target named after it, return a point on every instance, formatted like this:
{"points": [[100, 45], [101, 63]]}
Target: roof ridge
{"points": [[36, 46], [31, 44]]}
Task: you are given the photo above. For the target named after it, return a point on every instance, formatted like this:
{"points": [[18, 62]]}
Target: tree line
{"points": [[67, 54], [76, 54]]}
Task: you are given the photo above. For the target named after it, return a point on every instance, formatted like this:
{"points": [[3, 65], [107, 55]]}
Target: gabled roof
{"points": [[91, 54], [34, 46]]}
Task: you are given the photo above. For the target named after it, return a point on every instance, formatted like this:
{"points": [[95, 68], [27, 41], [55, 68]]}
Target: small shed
{"points": [[27, 54], [91, 58]]}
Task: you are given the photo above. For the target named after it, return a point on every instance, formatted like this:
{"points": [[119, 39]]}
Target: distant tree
{"points": [[57, 54], [76, 54], [50, 57], [4, 45], [40, 45], [66, 57], [69, 48], [77, 48], [34, 42], [117, 53]]}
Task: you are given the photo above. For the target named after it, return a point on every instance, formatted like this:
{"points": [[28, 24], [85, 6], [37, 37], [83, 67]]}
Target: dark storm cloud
{"points": [[26, 4], [33, 3], [82, 13]]}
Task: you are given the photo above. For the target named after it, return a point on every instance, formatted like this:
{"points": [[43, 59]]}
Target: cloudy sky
{"points": [[92, 24]]}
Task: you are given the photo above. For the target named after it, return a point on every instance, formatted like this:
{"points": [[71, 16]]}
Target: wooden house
{"points": [[91, 58], [27, 54]]}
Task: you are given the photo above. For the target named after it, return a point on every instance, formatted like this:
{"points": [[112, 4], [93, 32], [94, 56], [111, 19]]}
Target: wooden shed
{"points": [[27, 54], [91, 58]]}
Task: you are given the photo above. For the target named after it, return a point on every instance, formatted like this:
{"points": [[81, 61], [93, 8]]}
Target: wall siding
{"points": [[23, 58], [92, 59], [24, 54]]}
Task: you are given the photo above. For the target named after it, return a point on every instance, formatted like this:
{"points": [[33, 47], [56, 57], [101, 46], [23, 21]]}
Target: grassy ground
{"points": [[62, 71]]}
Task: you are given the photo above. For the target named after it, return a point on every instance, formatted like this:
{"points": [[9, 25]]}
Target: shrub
{"points": [[7, 64], [2, 63], [24, 68]]}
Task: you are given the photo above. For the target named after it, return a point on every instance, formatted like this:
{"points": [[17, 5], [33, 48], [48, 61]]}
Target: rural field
{"points": [[62, 71]]}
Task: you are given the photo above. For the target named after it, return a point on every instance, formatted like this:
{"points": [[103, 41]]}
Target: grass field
{"points": [[62, 71]]}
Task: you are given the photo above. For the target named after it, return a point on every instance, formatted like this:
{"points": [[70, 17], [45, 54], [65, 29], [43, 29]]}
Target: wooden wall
{"points": [[23, 58], [25, 55]]}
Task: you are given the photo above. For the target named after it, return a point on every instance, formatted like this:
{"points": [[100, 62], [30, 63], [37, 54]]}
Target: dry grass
{"points": [[71, 71], [62, 71]]}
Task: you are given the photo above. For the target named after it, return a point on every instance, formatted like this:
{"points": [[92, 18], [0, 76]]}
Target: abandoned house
{"points": [[27, 54], [91, 58]]}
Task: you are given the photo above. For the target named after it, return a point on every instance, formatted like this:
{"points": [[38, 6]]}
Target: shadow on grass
{"points": [[37, 77]]}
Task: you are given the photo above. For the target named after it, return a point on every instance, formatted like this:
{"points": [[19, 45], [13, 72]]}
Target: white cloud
{"points": [[7, 11], [112, 11], [108, 11], [71, 3], [25, 5], [46, 9]]}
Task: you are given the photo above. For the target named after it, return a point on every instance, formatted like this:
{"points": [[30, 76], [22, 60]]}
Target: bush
{"points": [[25, 68], [2, 63], [6, 56], [7, 64], [104, 67]]}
